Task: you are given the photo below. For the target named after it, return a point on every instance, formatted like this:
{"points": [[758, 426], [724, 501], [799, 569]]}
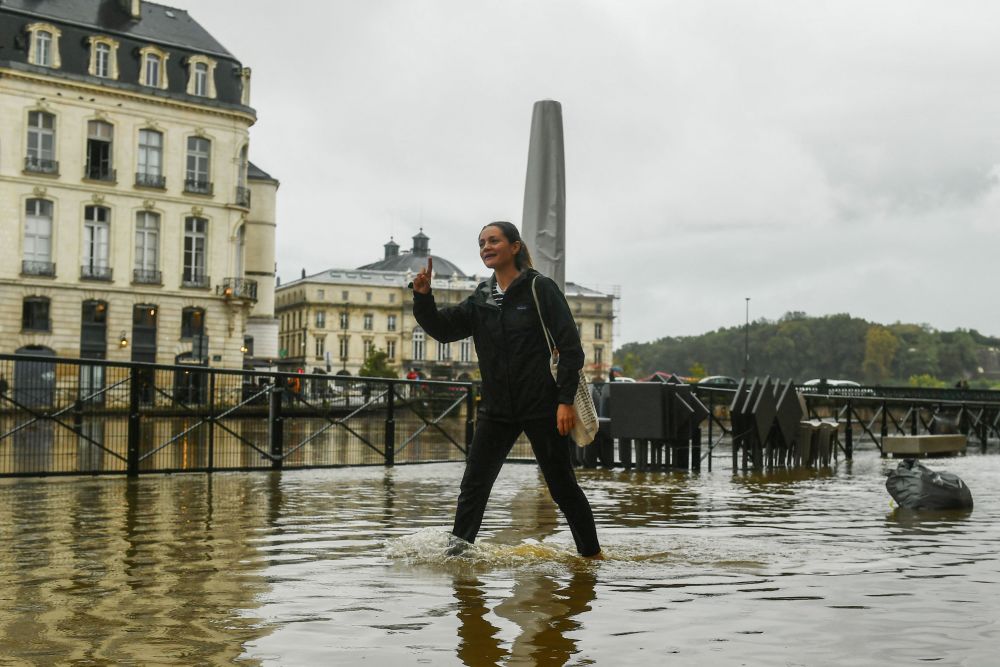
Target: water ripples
{"points": [[347, 565]]}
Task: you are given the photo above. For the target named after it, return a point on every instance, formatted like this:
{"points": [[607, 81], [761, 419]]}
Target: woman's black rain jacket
{"points": [[513, 355]]}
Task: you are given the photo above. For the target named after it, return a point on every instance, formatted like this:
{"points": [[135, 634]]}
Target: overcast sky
{"points": [[823, 157]]}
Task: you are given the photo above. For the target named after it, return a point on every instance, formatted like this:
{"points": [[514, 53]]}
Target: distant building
{"points": [[330, 321], [132, 224]]}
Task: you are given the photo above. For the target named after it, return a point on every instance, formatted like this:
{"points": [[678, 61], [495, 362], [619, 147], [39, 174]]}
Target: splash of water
{"points": [[432, 545]]}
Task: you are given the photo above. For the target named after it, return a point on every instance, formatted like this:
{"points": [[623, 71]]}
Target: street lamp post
{"points": [[746, 341]]}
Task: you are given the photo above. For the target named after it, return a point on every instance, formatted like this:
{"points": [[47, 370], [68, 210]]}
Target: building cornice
{"points": [[53, 184], [13, 70]]}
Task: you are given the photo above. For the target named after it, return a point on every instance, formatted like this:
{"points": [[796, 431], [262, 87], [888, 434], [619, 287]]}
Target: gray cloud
{"points": [[824, 157]]}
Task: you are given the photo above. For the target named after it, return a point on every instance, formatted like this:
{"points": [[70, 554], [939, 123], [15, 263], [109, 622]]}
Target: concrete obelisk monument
{"points": [[543, 223]]}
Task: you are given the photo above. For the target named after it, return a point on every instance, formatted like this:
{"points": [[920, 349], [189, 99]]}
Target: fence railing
{"points": [[870, 413], [89, 416]]}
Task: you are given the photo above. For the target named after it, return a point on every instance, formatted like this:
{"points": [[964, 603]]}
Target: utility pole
{"points": [[746, 341]]}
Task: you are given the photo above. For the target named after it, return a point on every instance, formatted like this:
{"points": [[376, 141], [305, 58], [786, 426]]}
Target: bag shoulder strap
{"points": [[548, 337]]}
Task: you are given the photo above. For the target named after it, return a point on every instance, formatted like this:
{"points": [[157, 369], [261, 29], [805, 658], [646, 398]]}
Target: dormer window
{"points": [[103, 57], [154, 67], [43, 45], [201, 77]]}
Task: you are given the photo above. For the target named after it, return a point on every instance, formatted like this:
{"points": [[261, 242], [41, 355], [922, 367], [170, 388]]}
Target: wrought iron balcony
{"points": [[98, 172], [40, 165], [197, 186], [237, 288], [147, 277], [145, 180], [95, 273], [33, 268], [195, 280], [242, 196]]}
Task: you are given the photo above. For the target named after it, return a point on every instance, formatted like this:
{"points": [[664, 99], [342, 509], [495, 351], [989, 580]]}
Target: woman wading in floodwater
{"points": [[518, 393]]}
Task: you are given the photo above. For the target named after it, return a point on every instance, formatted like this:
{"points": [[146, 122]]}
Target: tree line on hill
{"points": [[834, 347]]}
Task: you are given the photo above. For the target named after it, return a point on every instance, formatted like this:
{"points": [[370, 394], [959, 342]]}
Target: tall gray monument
{"points": [[543, 223]]}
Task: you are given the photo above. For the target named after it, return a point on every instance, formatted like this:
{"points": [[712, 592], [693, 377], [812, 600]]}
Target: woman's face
{"points": [[494, 248]]}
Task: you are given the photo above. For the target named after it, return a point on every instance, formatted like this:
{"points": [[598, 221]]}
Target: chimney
{"points": [[421, 244], [133, 7], [391, 249], [303, 273]]}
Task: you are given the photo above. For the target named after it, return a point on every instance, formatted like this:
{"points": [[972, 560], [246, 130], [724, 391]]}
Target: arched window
{"points": [[419, 340], [43, 45], [41, 153], [35, 314], [100, 136], [37, 260], [153, 64], [241, 242], [242, 191], [197, 177], [149, 169], [94, 329], [192, 322], [195, 240], [103, 57], [96, 232], [147, 248], [201, 76]]}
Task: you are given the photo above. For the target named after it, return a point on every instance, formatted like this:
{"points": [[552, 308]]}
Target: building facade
{"points": [[132, 224], [331, 321]]}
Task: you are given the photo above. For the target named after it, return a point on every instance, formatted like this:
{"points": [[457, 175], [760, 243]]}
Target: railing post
{"points": [[711, 416], [390, 427], [211, 422], [276, 425], [849, 432], [134, 423], [914, 419]]}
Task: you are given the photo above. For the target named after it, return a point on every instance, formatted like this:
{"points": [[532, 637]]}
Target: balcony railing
{"points": [[99, 173], [95, 273], [195, 280], [40, 165], [237, 288], [242, 196], [147, 277], [197, 186], [150, 180], [33, 268]]}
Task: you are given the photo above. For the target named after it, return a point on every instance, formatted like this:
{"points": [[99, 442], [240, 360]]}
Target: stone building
{"points": [[132, 224], [330, 321]]}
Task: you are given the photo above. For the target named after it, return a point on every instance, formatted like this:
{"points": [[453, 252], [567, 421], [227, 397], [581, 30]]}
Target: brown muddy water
{"points": [[346, 567]]}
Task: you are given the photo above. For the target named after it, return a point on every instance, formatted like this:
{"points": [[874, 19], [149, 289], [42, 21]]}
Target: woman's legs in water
{"points": [[489, 449], [553, 454]]}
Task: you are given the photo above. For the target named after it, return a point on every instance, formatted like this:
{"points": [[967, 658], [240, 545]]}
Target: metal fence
{"points": [[867, 414], [79, 416]]}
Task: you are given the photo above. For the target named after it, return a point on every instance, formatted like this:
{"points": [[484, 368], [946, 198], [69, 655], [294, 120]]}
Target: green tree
{"points": [[880, 352], [631, 364], [926, 380], [377, 365]]}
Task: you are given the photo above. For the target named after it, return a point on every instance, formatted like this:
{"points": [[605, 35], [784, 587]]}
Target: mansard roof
{"points": [[159, 24]]}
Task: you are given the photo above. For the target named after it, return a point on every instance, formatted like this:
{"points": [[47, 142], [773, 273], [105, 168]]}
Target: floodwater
{"points": [[346, 566]]}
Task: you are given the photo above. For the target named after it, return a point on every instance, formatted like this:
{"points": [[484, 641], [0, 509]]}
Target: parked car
{"points": [[623, 378], [719, 381], [831, 383]]}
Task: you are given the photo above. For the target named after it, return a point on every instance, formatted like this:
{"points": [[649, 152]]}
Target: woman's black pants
{"points": [[490, 446]]}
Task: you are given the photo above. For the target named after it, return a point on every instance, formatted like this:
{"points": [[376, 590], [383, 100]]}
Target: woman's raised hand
{"points": [[422, 281]]}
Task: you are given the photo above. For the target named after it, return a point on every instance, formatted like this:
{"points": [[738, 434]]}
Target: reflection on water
{"points": [[348, 566]]}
